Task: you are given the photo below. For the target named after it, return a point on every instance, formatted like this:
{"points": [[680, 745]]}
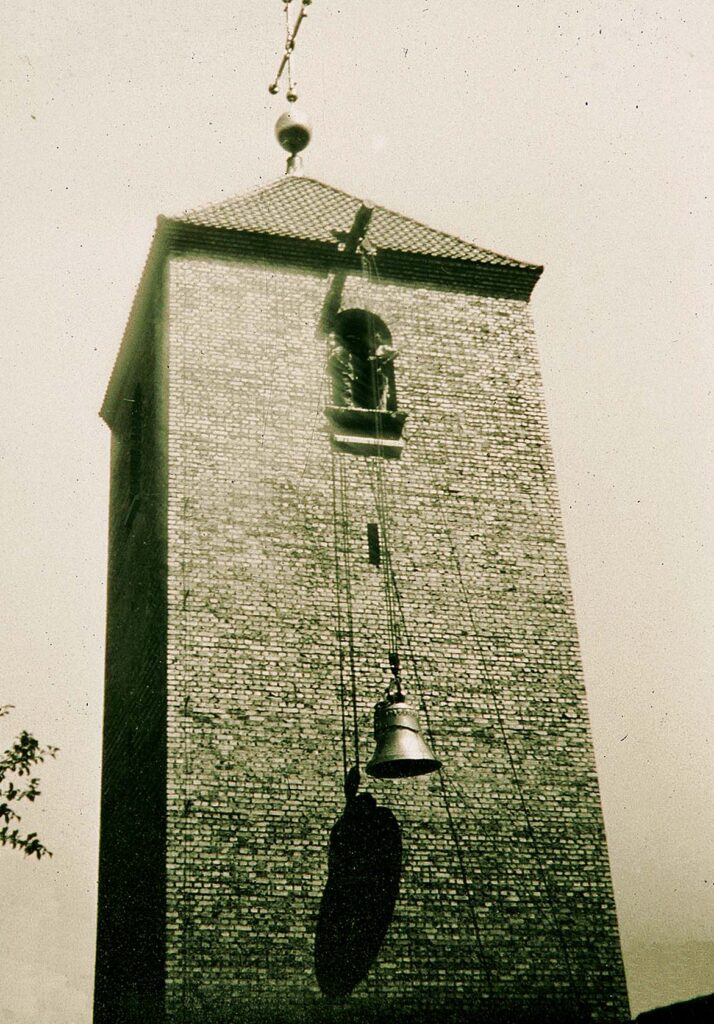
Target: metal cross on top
{"points": [[290, 37]]}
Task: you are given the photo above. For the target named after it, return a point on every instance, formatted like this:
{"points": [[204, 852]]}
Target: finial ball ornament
{"points": [[293, 131]]}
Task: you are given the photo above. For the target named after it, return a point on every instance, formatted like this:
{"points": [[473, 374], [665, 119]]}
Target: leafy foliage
{"points": [[17, 783]]}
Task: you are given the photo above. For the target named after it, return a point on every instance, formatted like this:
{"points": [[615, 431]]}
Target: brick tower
{"points": [[261, 481]]}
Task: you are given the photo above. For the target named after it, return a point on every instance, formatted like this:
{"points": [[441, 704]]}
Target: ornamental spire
{"points": [[292, 129]]}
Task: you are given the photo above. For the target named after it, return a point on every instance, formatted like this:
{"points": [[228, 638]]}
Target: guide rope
{"points": [[394, 598], [347, 575], [453, 830], [342, 548], [338, 603], [545, 880], [491, 691], [379, 485]]}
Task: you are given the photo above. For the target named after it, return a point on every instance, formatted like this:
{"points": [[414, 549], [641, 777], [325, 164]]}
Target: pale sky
{"points": [[574, 135]]}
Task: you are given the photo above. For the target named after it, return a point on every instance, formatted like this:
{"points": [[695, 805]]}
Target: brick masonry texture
{"points": [[253, 766]]}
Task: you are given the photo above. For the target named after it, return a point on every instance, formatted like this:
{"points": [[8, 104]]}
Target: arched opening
{"points": [[362, 362], [363, 413]]}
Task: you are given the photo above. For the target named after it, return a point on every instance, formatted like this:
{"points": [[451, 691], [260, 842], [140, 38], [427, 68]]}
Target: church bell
{"points": [[401, 752]]}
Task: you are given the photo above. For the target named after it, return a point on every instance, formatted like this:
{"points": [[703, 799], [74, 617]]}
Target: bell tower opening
{"points": [[362, 364], [364, 414]]}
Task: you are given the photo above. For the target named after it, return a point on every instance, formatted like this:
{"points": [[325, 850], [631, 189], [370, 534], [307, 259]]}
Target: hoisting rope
{"points": [[545, 881], [379, 486], [347, 245], [338, 603], [455, 838], [343, 582], [491, 692], [394, 598], [395, 620], [347, 574]]}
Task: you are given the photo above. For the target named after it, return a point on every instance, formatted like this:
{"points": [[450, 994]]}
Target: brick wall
{"points": [[254, 764]]}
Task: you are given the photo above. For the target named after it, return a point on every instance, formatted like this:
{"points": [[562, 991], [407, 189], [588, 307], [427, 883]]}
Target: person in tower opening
{"points": [[383, 358], [362, 374]]}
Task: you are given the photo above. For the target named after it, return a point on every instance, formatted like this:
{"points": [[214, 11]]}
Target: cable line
{"points": [[395, 620], [394, 598], [343, 583], [455, 838], [338, 603], [379, 484], [347, 574], [516, 779]]}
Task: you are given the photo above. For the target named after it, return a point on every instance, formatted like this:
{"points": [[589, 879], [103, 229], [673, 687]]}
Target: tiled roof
{"points": [[304, 208]]}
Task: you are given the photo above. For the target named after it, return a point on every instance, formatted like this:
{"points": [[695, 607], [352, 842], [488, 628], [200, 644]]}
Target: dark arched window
{"points": [[363, 416], [362, 362]]}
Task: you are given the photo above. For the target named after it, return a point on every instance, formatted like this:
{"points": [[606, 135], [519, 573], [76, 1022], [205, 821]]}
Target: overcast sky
{"points": [[578, 135]]}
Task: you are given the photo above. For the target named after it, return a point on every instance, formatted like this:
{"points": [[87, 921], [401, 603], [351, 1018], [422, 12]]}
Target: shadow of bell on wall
{"points": [[364, 867]]}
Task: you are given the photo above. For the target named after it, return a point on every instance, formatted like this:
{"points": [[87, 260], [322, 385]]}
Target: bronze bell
{"points": [[401, 752]]}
